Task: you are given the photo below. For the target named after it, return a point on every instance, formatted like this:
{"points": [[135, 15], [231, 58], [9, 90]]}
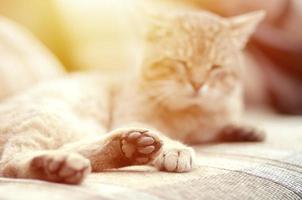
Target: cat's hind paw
{"points": [[233, 133], [140, 146], [62, 168], [176, 160]]}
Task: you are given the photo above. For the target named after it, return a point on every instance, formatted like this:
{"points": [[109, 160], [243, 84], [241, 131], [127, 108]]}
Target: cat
{"points": [[187, 90]]}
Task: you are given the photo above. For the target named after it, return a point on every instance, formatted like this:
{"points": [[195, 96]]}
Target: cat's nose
{"points": [[196, 86]]}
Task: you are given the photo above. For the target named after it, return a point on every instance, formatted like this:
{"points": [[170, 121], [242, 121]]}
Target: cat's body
{"points": [[188, 88]]}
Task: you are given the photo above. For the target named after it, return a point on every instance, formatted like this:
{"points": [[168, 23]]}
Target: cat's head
{"points": [[193, 58]]}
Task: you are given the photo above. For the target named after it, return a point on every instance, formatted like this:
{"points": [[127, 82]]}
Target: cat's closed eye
{"points": [[222, 77], [162, 69]]}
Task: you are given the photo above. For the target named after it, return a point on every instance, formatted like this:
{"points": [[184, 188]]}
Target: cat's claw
{"points": [[176, 160], [140, 146], [62, 168]]}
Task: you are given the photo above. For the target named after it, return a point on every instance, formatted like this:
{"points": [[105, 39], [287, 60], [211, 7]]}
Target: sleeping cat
{"points": [[187, 90]]}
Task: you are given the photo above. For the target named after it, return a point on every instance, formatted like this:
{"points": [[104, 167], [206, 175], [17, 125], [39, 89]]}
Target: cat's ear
{"points": [[243, 26], [156, 27], [151, 24]]}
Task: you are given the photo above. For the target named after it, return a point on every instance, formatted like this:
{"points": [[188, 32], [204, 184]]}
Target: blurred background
{"points": [[101, 34]]}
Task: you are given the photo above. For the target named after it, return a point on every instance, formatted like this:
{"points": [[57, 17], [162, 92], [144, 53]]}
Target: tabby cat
{"points": [[186, 90]]}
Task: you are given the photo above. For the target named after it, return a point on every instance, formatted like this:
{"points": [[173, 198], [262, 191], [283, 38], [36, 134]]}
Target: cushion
{"points": [[24, 60]]}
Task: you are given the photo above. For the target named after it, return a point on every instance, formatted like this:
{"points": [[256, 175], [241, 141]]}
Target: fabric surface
{"points": [[269, 170]]}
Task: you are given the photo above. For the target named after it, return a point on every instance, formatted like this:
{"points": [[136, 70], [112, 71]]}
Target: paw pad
{"points": [[140, 147]]}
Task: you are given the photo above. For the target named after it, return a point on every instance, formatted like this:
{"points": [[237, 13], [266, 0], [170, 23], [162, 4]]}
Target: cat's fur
{"points": [[188, 89]]}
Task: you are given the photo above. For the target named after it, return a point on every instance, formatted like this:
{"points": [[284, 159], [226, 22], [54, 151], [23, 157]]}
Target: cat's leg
{"points": [[119, 148], [240, 133], [139, 146], [32, 147], [173, 157], [25, 160], [233, 132], [230, 125]]}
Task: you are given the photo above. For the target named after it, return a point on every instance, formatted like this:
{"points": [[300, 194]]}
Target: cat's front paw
{"points": [[176, 160], [140, 146], [62, 168]]}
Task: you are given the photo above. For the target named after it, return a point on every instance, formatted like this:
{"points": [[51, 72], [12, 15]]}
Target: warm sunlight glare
{"points": [[96, 29]]}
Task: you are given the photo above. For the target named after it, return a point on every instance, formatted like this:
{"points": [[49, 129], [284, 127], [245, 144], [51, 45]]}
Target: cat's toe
{"points": [[63, 168], [176, 160], [140, 146]]}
